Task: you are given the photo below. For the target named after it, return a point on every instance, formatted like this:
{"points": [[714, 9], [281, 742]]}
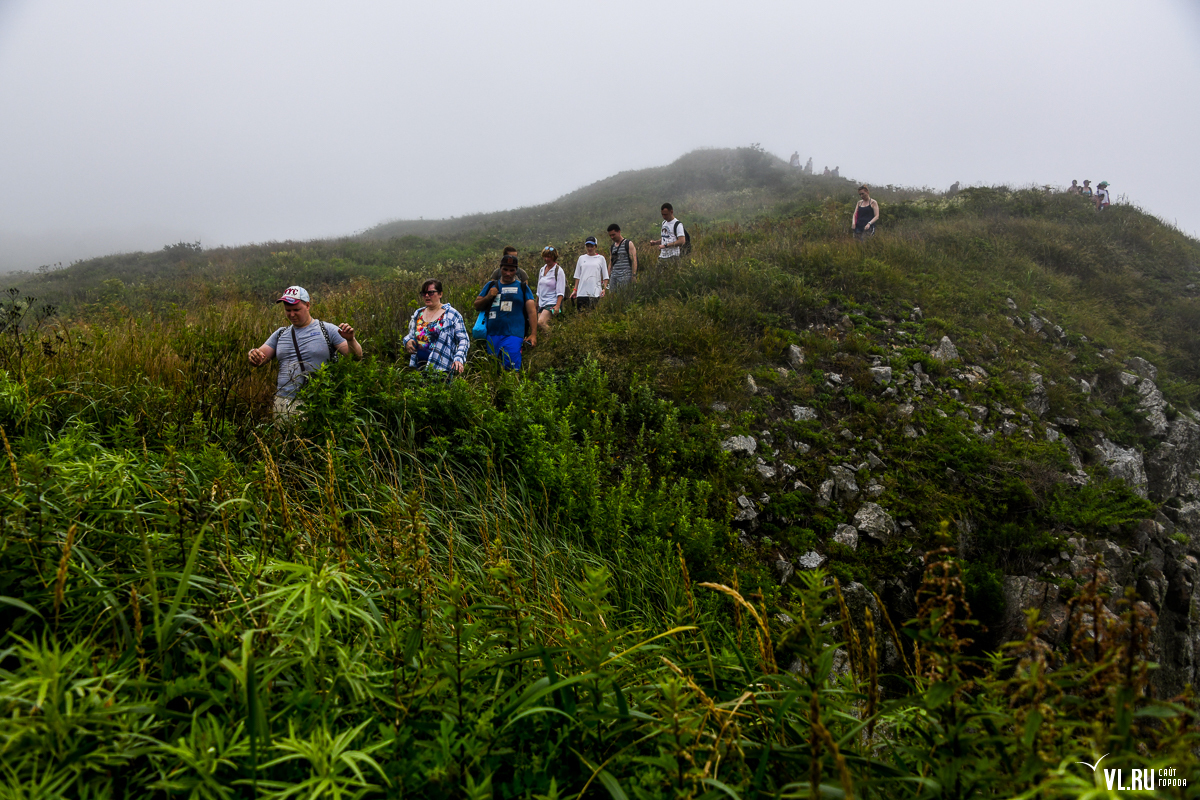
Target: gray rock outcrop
{"points": [[873, 521], [1171, 465], [740, 445], [1125, 464], [945, 351]]}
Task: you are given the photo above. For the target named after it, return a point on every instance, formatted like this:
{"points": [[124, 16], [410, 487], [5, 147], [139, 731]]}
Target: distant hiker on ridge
{"points": [[954, 187], [509, 303], [1074, 188], [1086, 191], [673, 235], [808, 167], [622, 255], [866, 214], [302, 348], [835, 172], [591, 276], [437, 335], [826, 172], [1102, 197], [795, 162]]}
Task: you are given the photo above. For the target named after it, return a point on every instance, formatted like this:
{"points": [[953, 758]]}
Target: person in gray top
{"points": [[302, 347], [622, 257]]}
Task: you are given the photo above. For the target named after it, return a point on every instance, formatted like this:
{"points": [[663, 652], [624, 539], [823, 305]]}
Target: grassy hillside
{"points": [[576, 582]]}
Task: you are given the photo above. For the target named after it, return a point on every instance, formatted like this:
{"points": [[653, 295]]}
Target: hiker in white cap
{"points": [[302, 347]]}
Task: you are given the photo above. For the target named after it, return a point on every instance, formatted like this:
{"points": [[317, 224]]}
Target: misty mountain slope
{"points": [[987, 409], [718, 184]]}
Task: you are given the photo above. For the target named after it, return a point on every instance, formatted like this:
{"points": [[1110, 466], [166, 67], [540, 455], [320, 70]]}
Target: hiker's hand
{"points": [[531, 340], [346, 331], [257, 357], [410, 346], [492, 292], [457, 366]]}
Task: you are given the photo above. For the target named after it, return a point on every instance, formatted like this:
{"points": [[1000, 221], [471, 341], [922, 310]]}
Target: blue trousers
{"points": [[507, 349]]}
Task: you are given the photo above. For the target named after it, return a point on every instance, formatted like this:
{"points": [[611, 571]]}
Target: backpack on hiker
{"points": [[685, 249]]}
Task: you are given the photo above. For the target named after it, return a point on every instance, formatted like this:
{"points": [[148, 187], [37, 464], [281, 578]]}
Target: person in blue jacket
{"points": [[511, 310]]}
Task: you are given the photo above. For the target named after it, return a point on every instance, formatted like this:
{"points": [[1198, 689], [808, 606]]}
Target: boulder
{"points": [[844, 483], [1021, 594], [745, 514], [859, 598], [795, 356], [1170, 466], [745, 445], [945, 351], [1143, 368], [846, 535], [1154, 406], [1128, 378], [765, 470], [1038, 401], [1187, 521], [1125, 464], [803, 413], [825, 493], [751, 386], [783, 569], [873, 521], [811, 560], [874, 461], [881, 375]]}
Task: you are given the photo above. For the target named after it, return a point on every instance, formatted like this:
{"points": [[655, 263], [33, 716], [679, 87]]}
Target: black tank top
{"points": [[862, 215]]}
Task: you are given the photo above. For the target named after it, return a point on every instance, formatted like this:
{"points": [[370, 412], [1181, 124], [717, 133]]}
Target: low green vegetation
{"points": [[532, 585]]}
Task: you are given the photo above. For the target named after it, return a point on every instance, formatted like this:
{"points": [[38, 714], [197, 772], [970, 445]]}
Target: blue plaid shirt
{"points": [[451, 344]]}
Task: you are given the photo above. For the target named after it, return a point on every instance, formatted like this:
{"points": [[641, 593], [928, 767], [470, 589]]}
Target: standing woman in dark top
{"points": [[866, 214]]}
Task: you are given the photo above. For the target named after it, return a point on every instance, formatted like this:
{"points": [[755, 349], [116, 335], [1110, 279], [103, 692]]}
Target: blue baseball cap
{"points": [[590, 240]]}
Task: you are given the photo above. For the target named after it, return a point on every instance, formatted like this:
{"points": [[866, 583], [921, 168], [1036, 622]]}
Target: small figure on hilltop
{"points": [[866, 214], [836, 172], [302, 348], [808, 167], [510, 305], [551, 288], [795, 162], [522, 275], [954, 188], [826, 172], [673, 236], [591, 276], [622, 254], [1074, 189], [1086, 191], [1103, 200], [437, 335]]}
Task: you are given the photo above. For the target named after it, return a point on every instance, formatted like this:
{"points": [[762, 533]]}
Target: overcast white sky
{"points": [[128, 125]]}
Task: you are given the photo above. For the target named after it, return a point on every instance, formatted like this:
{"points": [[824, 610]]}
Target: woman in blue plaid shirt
{"points": [[437, 334]]}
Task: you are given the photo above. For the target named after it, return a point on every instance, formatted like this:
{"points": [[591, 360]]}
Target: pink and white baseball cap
{"points": [[293, 295]]}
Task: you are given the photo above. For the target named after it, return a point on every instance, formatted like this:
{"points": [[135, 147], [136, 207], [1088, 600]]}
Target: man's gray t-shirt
{"points": [[313, 352]]}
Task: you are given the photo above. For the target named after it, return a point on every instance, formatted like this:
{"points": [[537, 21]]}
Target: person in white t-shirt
{"points": [[1102, 199], [673, 234], [591, 276], [551, 286]]}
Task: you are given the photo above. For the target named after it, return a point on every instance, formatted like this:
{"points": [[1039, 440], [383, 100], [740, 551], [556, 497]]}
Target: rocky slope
{"points": [[837, 438]]}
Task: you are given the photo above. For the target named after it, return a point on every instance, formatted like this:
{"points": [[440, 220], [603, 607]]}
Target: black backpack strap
{"points": [[333, 353], [296, 347], [676, 229]]}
